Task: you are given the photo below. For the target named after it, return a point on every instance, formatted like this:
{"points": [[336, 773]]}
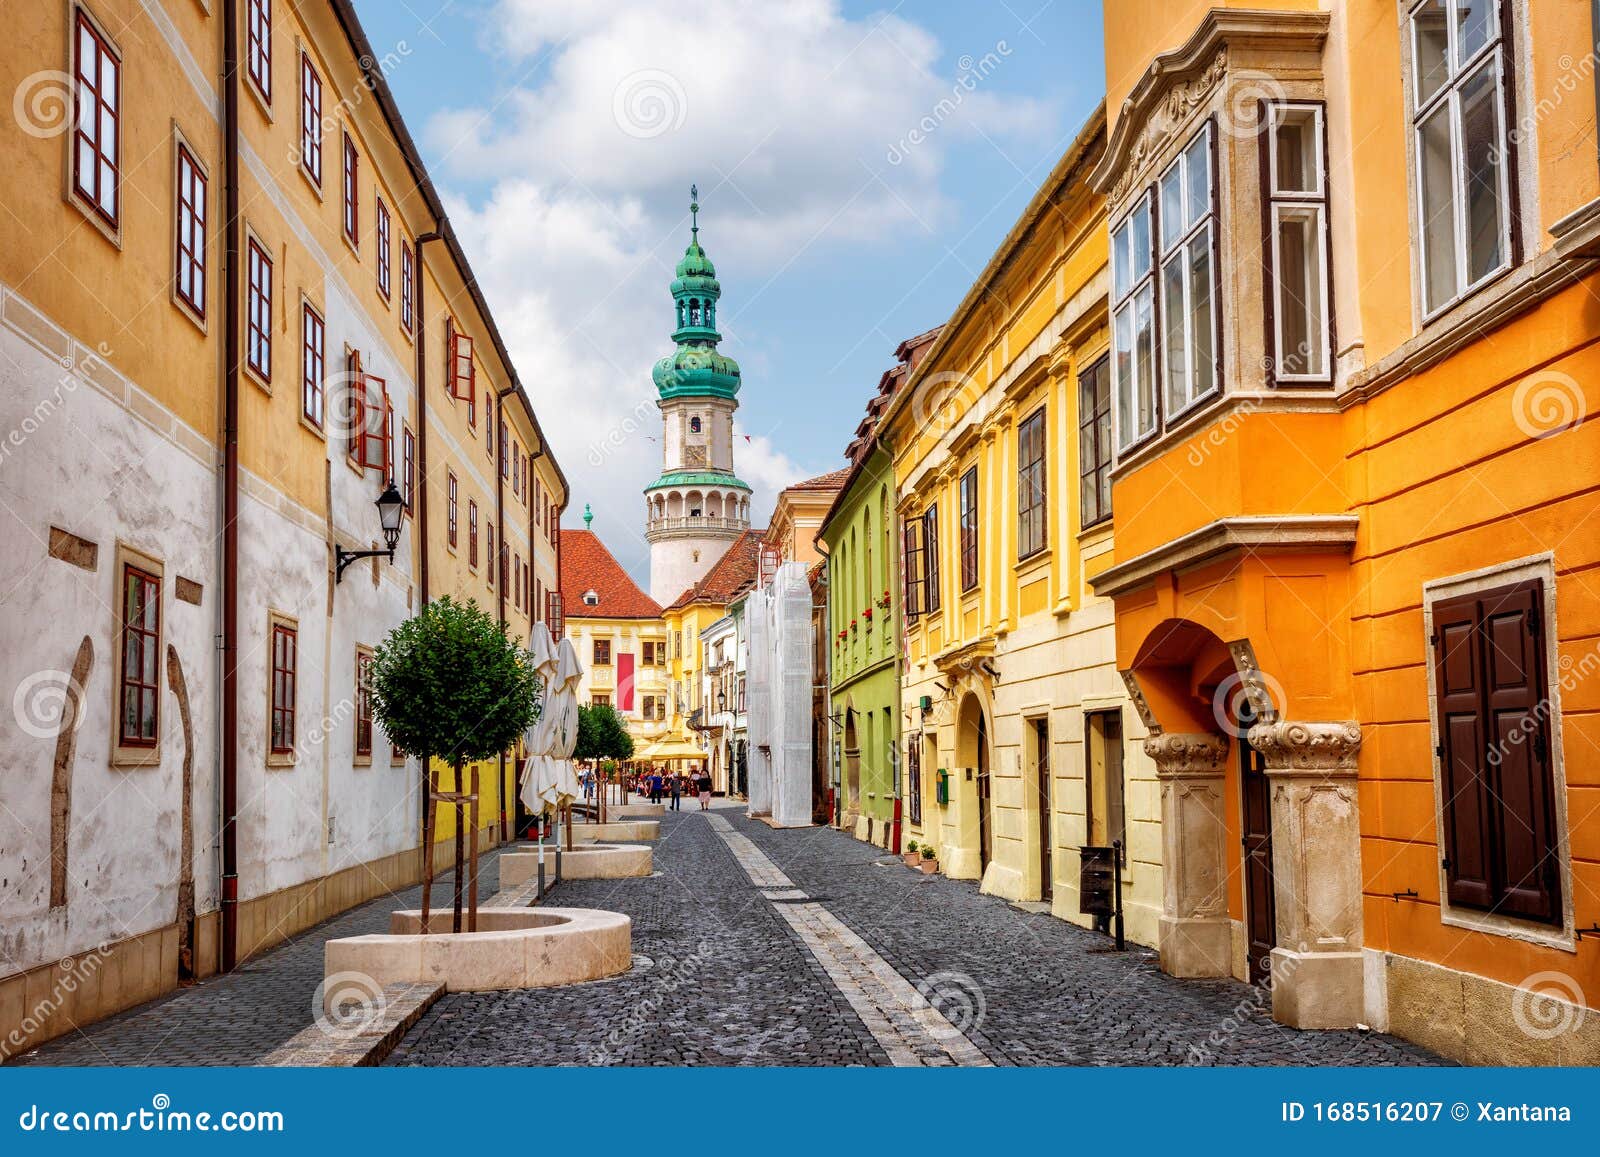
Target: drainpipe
{"points": [[422, 486], [498, 433], [1594, 35], [230, 493]]}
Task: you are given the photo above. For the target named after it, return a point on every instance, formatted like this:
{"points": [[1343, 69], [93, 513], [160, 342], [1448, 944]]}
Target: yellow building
{"points": [[1020, 743], [231, 313], [620, 636], [1356, 253]]}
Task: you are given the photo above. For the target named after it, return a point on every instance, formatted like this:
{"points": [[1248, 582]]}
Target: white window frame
{"points": [[1125, 300], [1492, 52], [1179, 251], [1312, 202]]}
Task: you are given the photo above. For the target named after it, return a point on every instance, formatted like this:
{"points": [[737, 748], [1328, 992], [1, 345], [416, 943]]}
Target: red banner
{"points": [[625, 681]]}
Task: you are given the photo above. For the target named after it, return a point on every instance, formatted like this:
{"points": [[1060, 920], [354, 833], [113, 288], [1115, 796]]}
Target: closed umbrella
{"points": [[538, 788]]}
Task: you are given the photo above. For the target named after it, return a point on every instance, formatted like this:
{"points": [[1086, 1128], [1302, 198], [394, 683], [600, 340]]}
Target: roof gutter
{"points": [[229, 820]]}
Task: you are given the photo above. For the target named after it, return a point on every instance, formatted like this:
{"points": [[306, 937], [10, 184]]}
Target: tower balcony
{"points": [[690, 525]]}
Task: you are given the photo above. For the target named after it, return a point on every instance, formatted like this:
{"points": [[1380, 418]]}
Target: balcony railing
{"points": [[701, 523]]}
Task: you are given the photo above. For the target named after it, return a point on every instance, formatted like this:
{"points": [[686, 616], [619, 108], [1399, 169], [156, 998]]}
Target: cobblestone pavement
{"points": [[726, 975], [238, 1018]]}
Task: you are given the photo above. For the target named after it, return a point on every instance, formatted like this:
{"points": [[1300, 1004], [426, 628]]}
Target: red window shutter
{"points": [[374, 429], [1519, 754], [356, 393], [1457, 667]]}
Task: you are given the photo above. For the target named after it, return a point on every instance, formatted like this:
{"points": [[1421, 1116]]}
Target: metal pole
{"points": [[1116, 887]]}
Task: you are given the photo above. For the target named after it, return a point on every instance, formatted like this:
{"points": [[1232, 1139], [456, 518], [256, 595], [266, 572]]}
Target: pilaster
{"points": [[1196, 935]]}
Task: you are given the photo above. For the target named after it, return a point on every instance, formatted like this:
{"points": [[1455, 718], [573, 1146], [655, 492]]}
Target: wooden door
{"points": [[1261, 924], [1041, 734], [984, 827]]}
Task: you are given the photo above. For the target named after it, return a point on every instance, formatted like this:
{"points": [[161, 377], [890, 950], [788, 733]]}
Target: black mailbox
{"points": [[1096, 883]]}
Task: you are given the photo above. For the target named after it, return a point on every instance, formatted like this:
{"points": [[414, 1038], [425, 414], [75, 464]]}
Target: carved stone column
{"points": [[1196, 935], [1316, 870]]}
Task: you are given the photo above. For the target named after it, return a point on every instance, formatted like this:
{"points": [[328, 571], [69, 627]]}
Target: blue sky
{"points": [[857, 167]]}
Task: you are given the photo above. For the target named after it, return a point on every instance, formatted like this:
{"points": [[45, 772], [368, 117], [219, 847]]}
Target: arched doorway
{"points": [[852, 767]]}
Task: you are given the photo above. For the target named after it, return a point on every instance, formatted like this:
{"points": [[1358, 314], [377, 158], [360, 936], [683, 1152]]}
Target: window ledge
{"points": [[1563, 939], [1265, 533]]}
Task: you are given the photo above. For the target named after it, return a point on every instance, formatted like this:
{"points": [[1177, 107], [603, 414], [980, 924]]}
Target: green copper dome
{"points": [[696, 368]]}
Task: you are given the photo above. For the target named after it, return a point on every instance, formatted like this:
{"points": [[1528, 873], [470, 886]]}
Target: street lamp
{"points": [[391, 509], [722, 702]]}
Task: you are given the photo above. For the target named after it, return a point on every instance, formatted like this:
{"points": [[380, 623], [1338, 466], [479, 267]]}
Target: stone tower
{"points": [[698, 506]]}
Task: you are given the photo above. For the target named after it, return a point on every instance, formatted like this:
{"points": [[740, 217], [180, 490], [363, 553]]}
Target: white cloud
{"points": [[784, 113]]}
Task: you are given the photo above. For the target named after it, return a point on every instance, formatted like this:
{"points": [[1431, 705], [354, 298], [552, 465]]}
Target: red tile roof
{"points": [[586, 565], [832, 480], [730, 575]]}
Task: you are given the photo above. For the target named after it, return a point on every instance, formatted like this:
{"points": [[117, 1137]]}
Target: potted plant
{"points": [[910, 855], [930, 864]]}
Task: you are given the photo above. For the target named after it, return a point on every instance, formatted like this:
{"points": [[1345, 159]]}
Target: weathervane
{"points": [[694, 210]]}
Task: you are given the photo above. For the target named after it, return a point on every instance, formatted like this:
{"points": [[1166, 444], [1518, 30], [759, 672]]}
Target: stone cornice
{"points": [[1276, 534], [965, 657], [1178, 81], [1178, 754], [1291, 747]]}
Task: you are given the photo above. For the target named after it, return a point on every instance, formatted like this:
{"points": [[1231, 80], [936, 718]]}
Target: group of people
{"points": [[658, 783]]}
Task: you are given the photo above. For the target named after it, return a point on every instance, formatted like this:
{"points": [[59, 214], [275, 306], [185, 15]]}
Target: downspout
{"points": [[230, 494], [424, 541], [1594, 35], [498, 433]]}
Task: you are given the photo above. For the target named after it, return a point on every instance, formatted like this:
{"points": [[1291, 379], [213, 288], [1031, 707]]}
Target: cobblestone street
{"points": [[758, 946], [735, 976]]}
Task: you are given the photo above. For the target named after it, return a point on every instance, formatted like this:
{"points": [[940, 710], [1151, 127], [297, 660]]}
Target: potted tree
{"points": [[602, 736], [910, 855], [930, 863], [450, 686]]}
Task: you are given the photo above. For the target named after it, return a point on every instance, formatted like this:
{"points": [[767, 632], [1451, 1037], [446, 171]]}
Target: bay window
{"points": [[1133, 325], [1459, 72]]}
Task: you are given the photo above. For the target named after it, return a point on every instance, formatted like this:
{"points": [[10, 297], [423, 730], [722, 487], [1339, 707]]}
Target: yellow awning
{"points": [[669, 750]]}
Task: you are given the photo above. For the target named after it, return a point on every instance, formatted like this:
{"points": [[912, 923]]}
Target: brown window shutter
{"points": [[911, 567], [1518, 755], [1457, 668]]}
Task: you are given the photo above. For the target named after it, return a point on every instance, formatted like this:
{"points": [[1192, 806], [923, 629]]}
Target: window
{"points": [[408, 471], [1094, 443], [364, 705], [1188, 277], [1296, 210], [930, 553], [1105, 821], [1497, 782], [602, 652], [1459, 68], [380, 226], [407, 286], [462, 374], [139, 709], [1033, 535], [489, 556], [285, 664], [313, 336], [452, 508], [488, 430], [647, 649], [969, 529], [694, 424], [258, 47], [472, 533], [97, 122], [258, 314], [310, 121], [1133, 325], [598, 700], [190, 273], [516, 581], [352, 192], [912, 567]]}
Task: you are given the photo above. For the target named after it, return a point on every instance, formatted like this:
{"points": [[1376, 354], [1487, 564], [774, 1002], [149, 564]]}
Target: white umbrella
{"points": [[562, 706], [539, 788]]}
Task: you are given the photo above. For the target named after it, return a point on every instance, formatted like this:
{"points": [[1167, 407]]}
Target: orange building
{"points": [[1354, 253]]}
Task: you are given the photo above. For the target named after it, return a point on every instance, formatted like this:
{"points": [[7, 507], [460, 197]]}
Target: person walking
{"points": [[655, 785], [677, 790], [703, 786]]}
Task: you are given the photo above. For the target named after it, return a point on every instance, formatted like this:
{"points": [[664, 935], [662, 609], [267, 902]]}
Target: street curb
{"points": [[315, 1047]]}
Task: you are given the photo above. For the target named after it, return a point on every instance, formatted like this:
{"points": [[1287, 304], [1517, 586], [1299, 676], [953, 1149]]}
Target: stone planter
{"points": [[911, 859], [628, 830], [583, 862], [634, 811], [513, 948], [929, 867]]}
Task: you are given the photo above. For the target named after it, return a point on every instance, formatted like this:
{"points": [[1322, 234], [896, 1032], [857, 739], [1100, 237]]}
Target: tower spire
{"points": [[694, 211]]}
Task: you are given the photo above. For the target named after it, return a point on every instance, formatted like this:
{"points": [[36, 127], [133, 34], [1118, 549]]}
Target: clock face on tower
{"points": [[694, 455]]}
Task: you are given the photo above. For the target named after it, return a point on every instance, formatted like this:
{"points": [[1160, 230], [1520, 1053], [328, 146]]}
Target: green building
{"points": [[864, 648]]}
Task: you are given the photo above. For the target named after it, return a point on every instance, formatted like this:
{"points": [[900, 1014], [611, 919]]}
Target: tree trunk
{"points": [[455, 922], [430, 786], [472, 896]]}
